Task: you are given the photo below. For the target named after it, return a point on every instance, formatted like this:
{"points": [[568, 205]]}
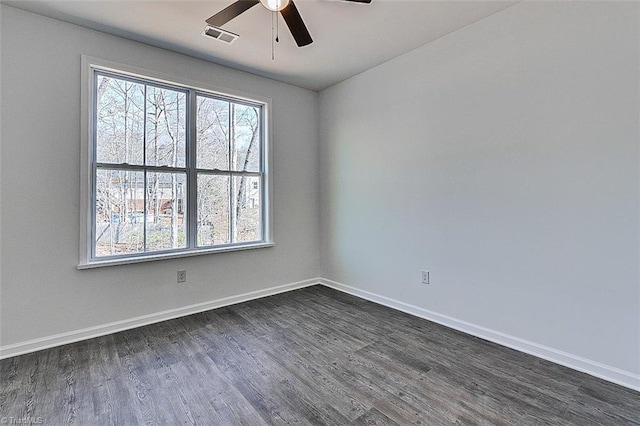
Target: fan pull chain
{"points": [[273, 56], [274, 16]]}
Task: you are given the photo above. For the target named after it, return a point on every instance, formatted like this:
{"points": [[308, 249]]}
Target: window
{"points": [[171, 169]]}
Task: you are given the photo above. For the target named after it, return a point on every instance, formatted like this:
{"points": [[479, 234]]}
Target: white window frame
{"points": [[87, 155]]}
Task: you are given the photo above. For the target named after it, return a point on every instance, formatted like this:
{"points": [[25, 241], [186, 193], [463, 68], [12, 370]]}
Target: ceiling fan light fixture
{"points": [[275, 5]]}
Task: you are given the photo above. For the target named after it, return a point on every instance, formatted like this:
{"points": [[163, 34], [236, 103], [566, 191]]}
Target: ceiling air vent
{"points": [[220, 34]]}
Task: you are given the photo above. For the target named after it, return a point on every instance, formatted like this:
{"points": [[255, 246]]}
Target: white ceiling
{"points": [[349, 38]]}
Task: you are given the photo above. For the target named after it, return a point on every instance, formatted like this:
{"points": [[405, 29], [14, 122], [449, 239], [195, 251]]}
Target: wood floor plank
{"points": [[374, 417], [313, 356], [215, 393], [383, 397], [255, 385], [324, 387]]}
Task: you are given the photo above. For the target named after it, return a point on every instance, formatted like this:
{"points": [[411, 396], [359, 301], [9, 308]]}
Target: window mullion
{"points": [[226, 172], [192, 175], [123, 166], [232, 139], [144, 180]]}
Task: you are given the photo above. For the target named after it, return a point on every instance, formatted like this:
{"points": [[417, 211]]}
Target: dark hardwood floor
{"points": [[311, 356]]}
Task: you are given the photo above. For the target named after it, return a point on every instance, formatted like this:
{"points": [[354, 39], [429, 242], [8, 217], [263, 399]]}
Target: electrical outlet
{"points": [[425, 277], [182, 276]]}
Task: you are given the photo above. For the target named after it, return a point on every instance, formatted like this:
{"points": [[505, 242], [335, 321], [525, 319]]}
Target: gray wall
{"points": [[42, 292], [504, 159]]}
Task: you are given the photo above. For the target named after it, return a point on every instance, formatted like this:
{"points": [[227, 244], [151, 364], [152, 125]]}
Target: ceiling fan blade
{"points": [[359, 1], [296, 25], [230, 12]]}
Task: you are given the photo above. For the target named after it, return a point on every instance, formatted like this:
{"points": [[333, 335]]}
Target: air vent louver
{"points": [[220, 34]]}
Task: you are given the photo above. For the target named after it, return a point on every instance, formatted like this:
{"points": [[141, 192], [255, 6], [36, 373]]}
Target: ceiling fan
{"points": [[287, 9]]}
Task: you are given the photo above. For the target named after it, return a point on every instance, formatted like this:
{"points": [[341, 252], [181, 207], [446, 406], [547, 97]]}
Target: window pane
{"points": [[119, 121], [246, 143], [212, 129], [247, 212], [119, 206], [166, 210], [166, 120], [213, 209]]}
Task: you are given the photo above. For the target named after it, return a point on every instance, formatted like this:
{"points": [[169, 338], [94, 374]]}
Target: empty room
{"points": [[328, 212]]}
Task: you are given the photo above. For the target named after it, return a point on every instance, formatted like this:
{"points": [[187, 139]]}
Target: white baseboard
{"points": [[611, 374], [602, 371], [114, 327]]}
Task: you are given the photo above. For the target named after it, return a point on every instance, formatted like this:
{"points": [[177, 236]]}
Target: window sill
{"points": [[172, 255]]}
